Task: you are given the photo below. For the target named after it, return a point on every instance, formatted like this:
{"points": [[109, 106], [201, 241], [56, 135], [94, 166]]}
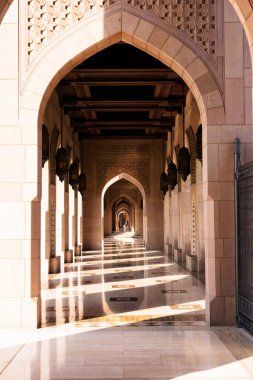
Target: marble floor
{"points": [[125, 313]]}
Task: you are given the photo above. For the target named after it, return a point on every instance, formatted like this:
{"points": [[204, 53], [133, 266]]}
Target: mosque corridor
{"points": [[125, 283], [126, 313]]}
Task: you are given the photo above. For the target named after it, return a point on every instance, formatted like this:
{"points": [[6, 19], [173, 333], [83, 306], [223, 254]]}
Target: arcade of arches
{"points": [[122, 87]]}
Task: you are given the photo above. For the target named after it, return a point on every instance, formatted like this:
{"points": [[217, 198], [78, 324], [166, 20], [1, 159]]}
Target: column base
{"points": [[54, 265], [191, 263], [68, 256], [78, 250], [177, 255]]}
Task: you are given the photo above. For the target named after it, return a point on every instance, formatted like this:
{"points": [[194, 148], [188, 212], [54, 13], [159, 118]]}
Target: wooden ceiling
{"points": [[122, 92]]}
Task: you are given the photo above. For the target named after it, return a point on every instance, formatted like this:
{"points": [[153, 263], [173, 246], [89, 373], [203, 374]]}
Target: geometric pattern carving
{"points": [[194, 229], [52, 215], [111, 167], [122, 149], [52, 227], [48, 18]]}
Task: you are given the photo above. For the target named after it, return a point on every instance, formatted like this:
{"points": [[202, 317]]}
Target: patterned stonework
{"points": [[122, 149], [48, 18], [194, 229], [106, 169]]}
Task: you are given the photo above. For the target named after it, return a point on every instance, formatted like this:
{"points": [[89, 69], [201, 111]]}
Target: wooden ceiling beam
{"points": [[154, 102], [121, 123]]}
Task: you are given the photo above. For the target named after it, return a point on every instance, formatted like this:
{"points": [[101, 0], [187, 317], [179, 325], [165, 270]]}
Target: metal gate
{"points": [[244, 241]]}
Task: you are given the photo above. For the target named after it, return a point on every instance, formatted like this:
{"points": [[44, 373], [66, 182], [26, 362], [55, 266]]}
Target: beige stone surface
{"points": [[227, 219], [142, 34], [229, 247], [228, 276], [20, 145], [225, 165], [10, 249], [13, 224], [234, 98], [234, 56], [214, 248], [242, 6], [12, 272], [156, 41], [10, 318], [9, 102], [228, 191], [9, 65]]}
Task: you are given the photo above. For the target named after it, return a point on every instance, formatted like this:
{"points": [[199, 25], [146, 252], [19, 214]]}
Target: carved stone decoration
{"points": [[48, 18], [124, 149], [194, 229], [107, 169], [52, 227]]}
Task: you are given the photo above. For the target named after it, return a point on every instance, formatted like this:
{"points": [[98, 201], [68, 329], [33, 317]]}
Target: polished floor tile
{"points": [[137, 316], [126, 281]]}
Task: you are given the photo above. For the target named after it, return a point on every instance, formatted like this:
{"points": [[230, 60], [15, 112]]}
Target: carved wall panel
{"points": [[108, 168], [124, 149], [194, 18], [194, 227]]}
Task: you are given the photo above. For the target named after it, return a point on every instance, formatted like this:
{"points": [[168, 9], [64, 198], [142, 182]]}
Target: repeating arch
{"points": [[126, 176]]}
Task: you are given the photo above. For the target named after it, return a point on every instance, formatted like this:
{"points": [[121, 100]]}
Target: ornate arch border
{"points": [[101, 31], [127, 177]]}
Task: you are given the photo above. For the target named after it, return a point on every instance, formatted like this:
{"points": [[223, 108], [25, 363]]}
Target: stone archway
{"points": [[139, 186], [131, 200], [36, 85]]}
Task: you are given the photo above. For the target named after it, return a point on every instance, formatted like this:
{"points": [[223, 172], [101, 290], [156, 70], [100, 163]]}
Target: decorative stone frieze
{"points": [[108, 168], [194, 229], [124, 149], [194, 18]]}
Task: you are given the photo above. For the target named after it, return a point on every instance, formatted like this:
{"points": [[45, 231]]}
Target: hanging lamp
{"points": [[172, 169], [61, 158], [82, 183], [198, 148], [163, 179], [74, 169], [45, 144], [184, 158]]}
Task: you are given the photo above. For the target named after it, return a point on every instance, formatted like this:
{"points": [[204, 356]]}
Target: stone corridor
{"points": [[124, 283], [125, 313]]}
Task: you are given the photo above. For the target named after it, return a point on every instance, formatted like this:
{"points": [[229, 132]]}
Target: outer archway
{"points": [[101, 31], [59, 57]]}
